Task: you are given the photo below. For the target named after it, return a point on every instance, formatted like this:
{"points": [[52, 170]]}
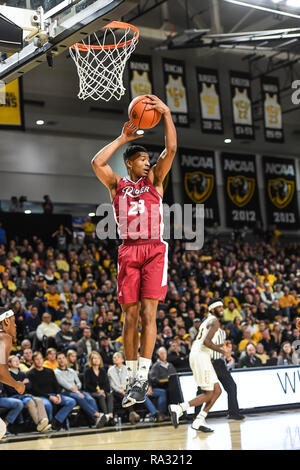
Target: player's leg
{"points": [[176, 411], [148, 310], [131, 345], [199, 422]]}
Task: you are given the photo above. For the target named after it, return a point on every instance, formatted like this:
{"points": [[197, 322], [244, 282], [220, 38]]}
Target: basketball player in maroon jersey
{"points": [[7, 332], [143, 256]]}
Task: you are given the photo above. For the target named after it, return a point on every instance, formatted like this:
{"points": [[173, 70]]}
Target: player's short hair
{"points": [[132, 150]]}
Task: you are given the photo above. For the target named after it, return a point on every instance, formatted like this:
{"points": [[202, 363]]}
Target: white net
{"points": [[100, 66]]}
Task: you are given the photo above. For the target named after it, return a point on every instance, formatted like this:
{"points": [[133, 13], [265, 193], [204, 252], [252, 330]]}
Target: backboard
{"points": [[50, 27]]}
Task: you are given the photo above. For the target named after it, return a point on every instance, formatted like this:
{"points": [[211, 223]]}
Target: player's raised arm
{"points": [[165, 160], [99, 163]]}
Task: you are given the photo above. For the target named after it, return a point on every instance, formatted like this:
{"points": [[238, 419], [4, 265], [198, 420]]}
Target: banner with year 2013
{"points": [[209, 101], [281, 192], [176, 91], [240, 190], [198, 171], [140, 76], [241, 99]]}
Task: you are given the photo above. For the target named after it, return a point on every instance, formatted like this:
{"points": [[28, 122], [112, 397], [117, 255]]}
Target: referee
{"points": [[224, 376]]}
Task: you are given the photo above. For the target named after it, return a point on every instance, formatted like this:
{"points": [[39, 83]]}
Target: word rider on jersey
{"points": [[143, 256]]}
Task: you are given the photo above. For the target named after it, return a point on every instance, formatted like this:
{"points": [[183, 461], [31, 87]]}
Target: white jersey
{"points": [[273, 117], [198, 344], [176, 95], [242, 107], [140, 84], [210, 105]]}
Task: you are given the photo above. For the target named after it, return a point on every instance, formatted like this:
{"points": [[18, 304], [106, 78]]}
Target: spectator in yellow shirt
{"points": [[88, 228], [230, 313], [261, 353], [287, 301], [258, 334], [50, 361], [246, 339], [6, 283], [230, 298], [53, 297], [269, 277]]}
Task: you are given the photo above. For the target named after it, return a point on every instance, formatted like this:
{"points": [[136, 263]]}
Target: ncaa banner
{"points": [[140, 76], [272, 109], [154, 152], [176, 91], [281, 192], [240, 188], [199, 181], [11, 107], [209, 101], [242, 115]]}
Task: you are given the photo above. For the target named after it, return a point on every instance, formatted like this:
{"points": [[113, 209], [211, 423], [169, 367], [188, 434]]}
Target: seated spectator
{"points": [[261, 353], [285, 356], [247, 338], [161, 371], [79, 329], [60, 311], [236, 330], [267, 296], [31, 322], [53, 297], [179, 360], [272, 361], [287, 302], [159, 319], [72, 388], [156, 390], [26, 361], [250, 359], [117, 376], [14, 405], [106, 351], [64, 338], [97, 384], [47, 331], [50, 360], [287, 332], [258, 334], [34, 405], [86, 345], [230, 298], [193, 331], [267, 341], [230, 313], [44, 385], [167, 336], [72, 361], [20, 297], [276, 334]]}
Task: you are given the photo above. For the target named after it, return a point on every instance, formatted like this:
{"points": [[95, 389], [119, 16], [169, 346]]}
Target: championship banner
{"points": [[209, 100], [281, 192], [240, 190], [140, 76], [242, 116], [176, 91], [199, 181], [272, 109], [154, 152], [11, 109]]}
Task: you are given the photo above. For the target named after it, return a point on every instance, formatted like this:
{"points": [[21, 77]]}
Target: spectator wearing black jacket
{"points": [[107, 351], [179, 360], [64, 338], [44, 385], [250, 359]]}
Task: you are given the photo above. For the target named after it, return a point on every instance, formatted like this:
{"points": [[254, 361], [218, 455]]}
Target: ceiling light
{"points": [[28, 211], [92, 214], [227, 141], [40, 122]]}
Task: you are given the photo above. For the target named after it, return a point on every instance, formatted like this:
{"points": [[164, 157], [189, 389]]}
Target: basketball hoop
{"points": [[100, 66]]}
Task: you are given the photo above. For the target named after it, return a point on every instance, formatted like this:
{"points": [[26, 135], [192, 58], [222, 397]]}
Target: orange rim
{"points": [[113, 24]]}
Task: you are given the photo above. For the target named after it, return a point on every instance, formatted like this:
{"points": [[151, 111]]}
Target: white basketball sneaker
{"points": [[199, 424], [175, 413]]}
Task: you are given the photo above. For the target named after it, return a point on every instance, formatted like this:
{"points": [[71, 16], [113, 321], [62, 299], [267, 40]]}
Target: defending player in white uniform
{"points": [[203, 370]]}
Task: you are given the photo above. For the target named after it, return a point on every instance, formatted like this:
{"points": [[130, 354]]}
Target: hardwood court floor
{"points": [[262, 431]]}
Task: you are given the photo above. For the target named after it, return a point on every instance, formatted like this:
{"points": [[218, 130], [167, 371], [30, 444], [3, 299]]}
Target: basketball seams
{"points": [[150, 122]]}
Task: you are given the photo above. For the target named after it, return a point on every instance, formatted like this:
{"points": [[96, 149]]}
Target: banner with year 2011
{"points": [[198, 171], [209, 101], [176, 91], [241, 99], [273, 124], [240, 190], [140, 76], [281, 192]]}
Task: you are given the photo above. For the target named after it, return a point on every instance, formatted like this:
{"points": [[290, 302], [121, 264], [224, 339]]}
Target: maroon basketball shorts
{"points": [[142, 270]]}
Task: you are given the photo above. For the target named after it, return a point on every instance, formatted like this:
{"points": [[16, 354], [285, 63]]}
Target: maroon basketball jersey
{"points": [[138, 209]]}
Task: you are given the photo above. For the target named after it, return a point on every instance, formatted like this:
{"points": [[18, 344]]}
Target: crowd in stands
{"points": [[69, 348]]}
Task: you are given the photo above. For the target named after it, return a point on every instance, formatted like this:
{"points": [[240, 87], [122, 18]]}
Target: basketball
{"points": [[141, 117]]}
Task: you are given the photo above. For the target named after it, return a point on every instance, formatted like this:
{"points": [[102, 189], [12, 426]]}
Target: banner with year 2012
{"points": [[241, 99], [198, 171], [209, 101], [176, 91], [240, 190], [273, 124], [140, 76], [281, 192]]}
